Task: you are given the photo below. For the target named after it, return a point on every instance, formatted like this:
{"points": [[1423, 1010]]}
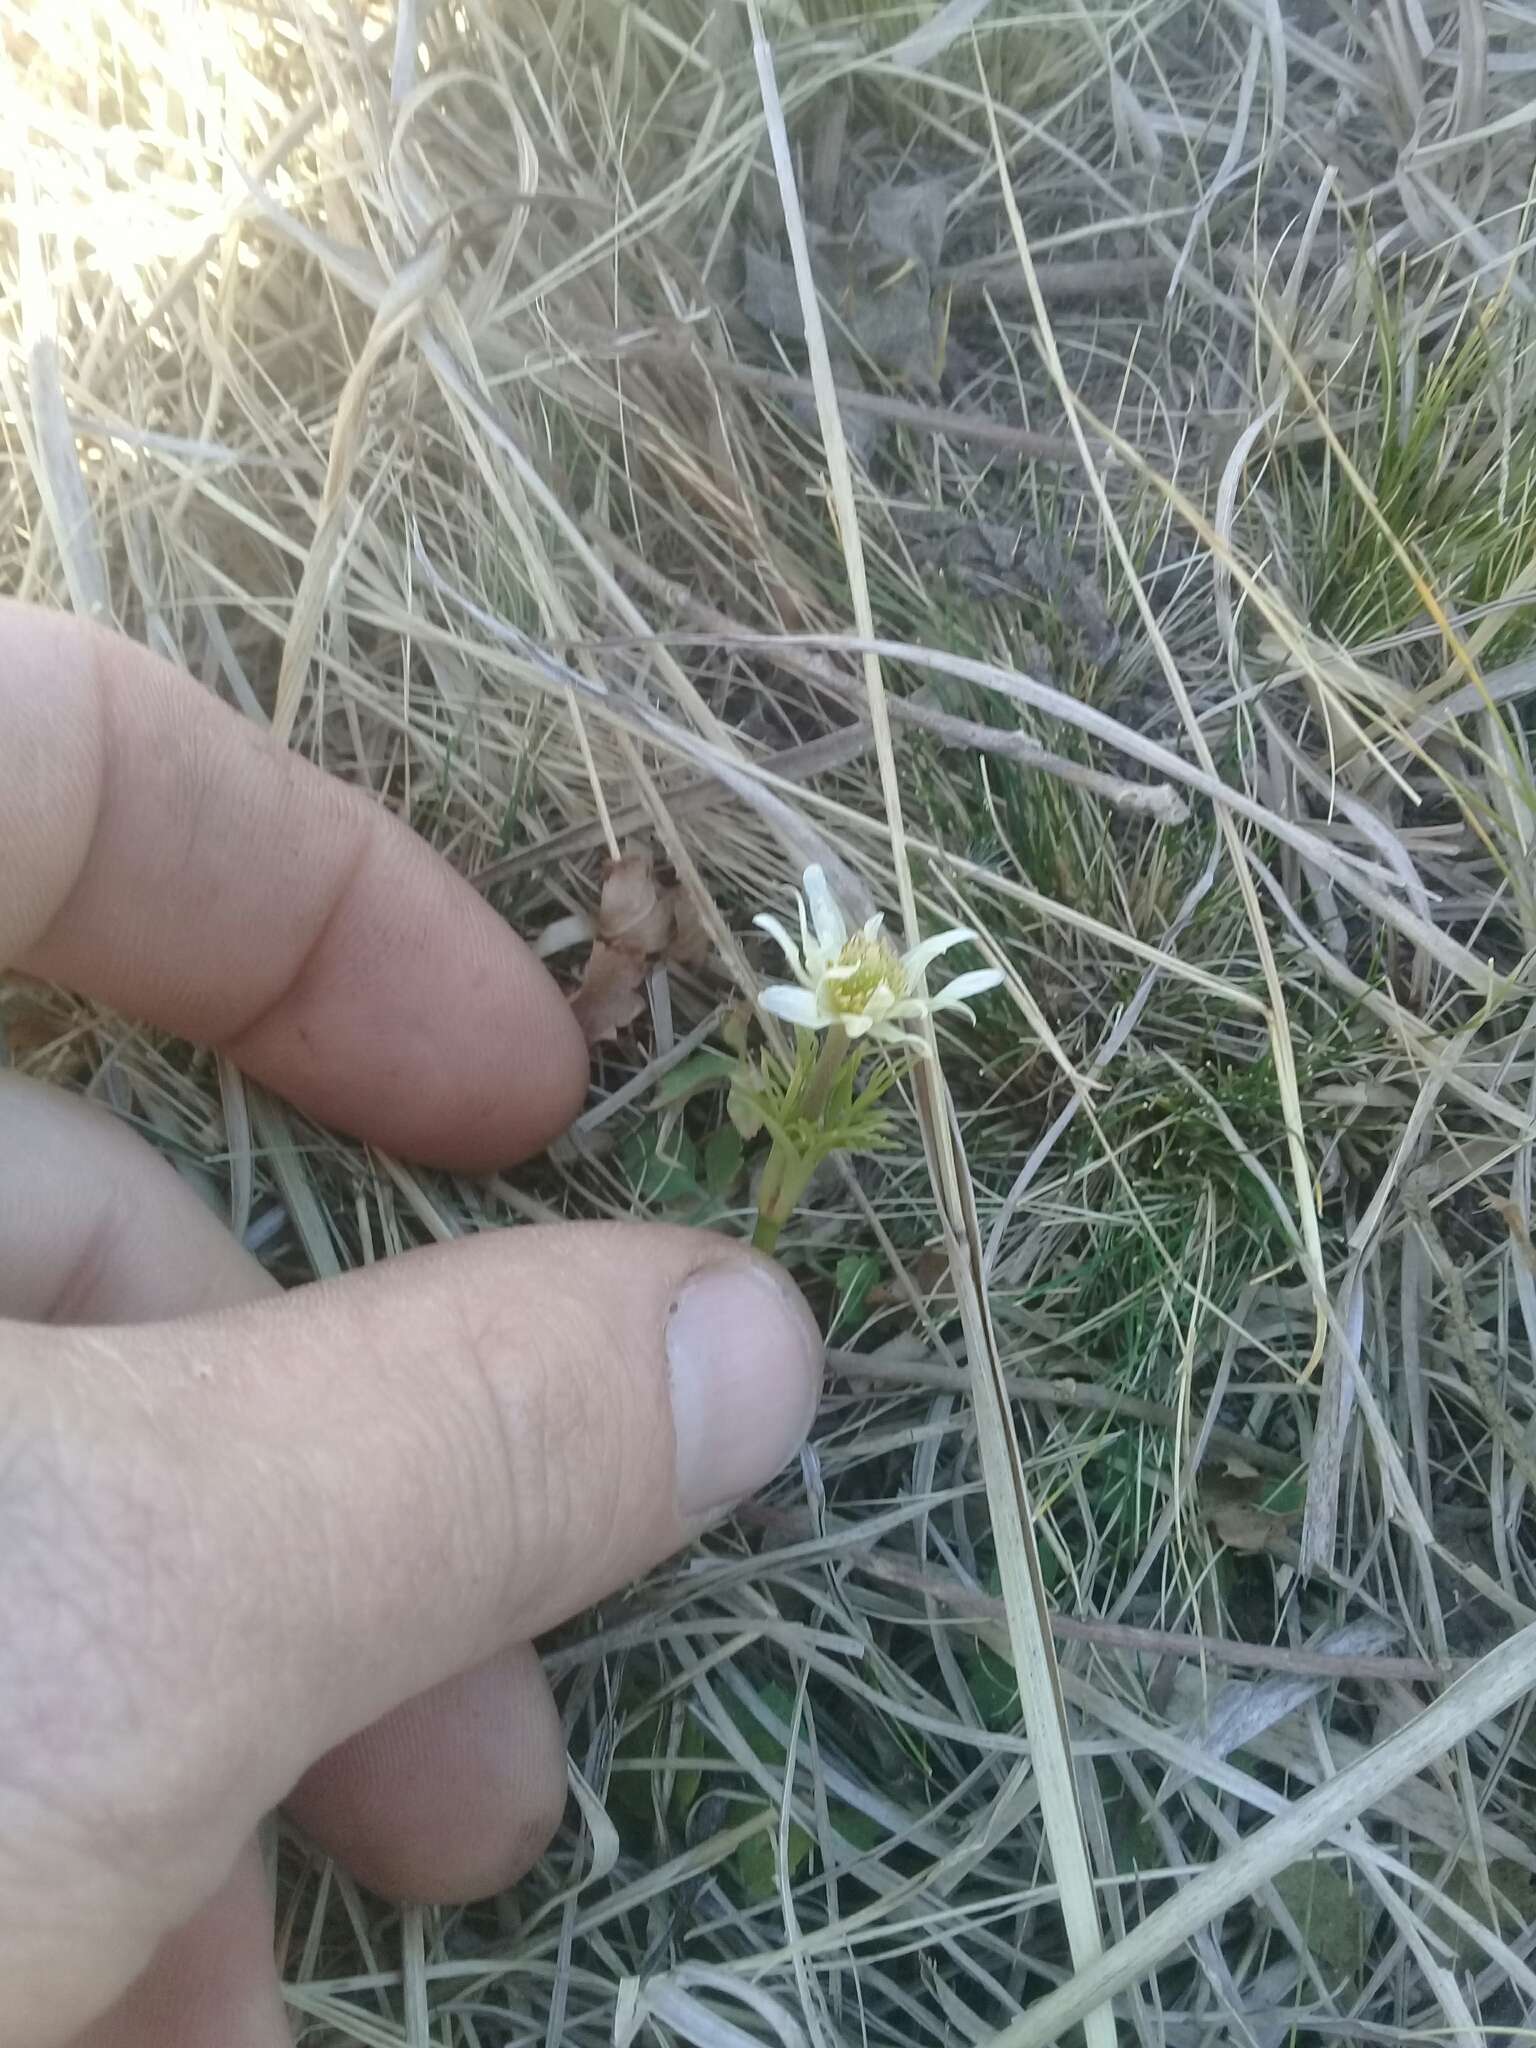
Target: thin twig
{"points": [[1159, 800], [681, 794], [1060, 1393], [976, 1605], [899, 412], [1089, 278]]}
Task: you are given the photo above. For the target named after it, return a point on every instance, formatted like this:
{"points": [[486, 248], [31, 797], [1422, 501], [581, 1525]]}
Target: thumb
{"points": [[229, 1542]]}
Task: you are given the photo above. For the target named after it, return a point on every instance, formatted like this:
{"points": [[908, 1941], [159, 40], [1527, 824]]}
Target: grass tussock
{"points": [[410, 387]]}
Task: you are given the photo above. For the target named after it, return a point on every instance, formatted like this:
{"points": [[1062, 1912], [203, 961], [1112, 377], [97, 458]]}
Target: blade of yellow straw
{"points": [[1008, 1496]]}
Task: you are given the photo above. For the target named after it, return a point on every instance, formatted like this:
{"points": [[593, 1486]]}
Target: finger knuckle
{"points": [[548, 1428], [91, 1658]]}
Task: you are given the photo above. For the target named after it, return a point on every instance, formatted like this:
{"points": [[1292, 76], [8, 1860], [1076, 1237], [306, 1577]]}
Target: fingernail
{"points": [[746, 1360]]}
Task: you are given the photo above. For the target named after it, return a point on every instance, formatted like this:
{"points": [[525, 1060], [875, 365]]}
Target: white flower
{"points": [[857, 979]]}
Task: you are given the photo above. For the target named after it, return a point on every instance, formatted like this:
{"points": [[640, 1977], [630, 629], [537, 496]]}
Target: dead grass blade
{"points": [[1488, 1690], [1007, 1490]]}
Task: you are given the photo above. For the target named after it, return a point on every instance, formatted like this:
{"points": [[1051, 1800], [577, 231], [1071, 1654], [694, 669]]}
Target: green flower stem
{"points": [[824, 1074], [781, 1187], [786, 1175]]}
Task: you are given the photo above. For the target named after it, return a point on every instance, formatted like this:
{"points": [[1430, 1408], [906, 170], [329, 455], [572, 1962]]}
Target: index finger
{"points": [[162, 854]]}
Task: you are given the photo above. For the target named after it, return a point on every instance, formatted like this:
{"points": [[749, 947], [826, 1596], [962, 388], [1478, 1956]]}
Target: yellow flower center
{"points": [[860, 972]]}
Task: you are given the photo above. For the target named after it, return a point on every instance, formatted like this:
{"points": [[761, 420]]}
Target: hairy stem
{"points": [[786, 1174], [829, 1064]]}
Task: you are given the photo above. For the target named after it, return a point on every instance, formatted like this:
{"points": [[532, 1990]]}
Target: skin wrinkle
{"points": [[543, 1443], [292, 988], [498, 1488], [97, 1349], [309, 1483], [298, 1483], [121, 1572], [282, 1489], [213, 1981], [35, 787], [83, 1274], [188, 783], [102, 1582], [158, 1618], [552, 1448], [473, 1801], [198, 843], [55, 1736], [64, 1164], [93, 1850], [194, 793]]}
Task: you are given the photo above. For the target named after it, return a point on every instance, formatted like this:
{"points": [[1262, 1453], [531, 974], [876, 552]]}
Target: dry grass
{"points": [[393, 374]]}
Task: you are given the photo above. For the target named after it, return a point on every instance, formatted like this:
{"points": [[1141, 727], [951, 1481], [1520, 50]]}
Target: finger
{"points": [[452, 1450], [282, 1522], [95, 1227], [211, 1981], [452, 1796], [163, 854]]}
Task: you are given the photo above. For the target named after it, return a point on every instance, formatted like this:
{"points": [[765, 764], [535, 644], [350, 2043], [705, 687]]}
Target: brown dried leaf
{"points": [[1243, 1527], [634, 913], [1249, 1513], [643, 916], [928, 1273], [885, 305], [908, 220], [1520, 1237], [691, 944], [609, 998]]}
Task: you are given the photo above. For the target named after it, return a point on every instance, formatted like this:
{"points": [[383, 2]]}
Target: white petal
{"points": [[794, 1005], [922, 956], [856, 1025], [831, 926], [966, 985], [783, 941], [892, 1034], [873, 926]]}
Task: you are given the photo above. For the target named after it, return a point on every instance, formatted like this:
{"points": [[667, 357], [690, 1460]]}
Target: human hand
{"points": [[260, 1547]]}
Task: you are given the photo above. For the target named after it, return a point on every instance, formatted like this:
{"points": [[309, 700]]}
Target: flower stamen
{"points": [[855, 979]]}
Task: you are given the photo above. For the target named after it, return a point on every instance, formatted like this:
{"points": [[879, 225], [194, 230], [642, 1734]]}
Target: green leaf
{"points": [[857, 1829], [705, 1070], [632, 1791], [692, 1741], [755, 1865], [857, 1272], [763, 1743], [994, 1689], [1461, 1886], [722, 1161], [1286, 1497], [661, 1176], [1133, 1840], [745, 1113], [1335, 1916]]}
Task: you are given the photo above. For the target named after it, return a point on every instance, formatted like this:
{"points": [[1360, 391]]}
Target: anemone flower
{"points": [[855, 979]]}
